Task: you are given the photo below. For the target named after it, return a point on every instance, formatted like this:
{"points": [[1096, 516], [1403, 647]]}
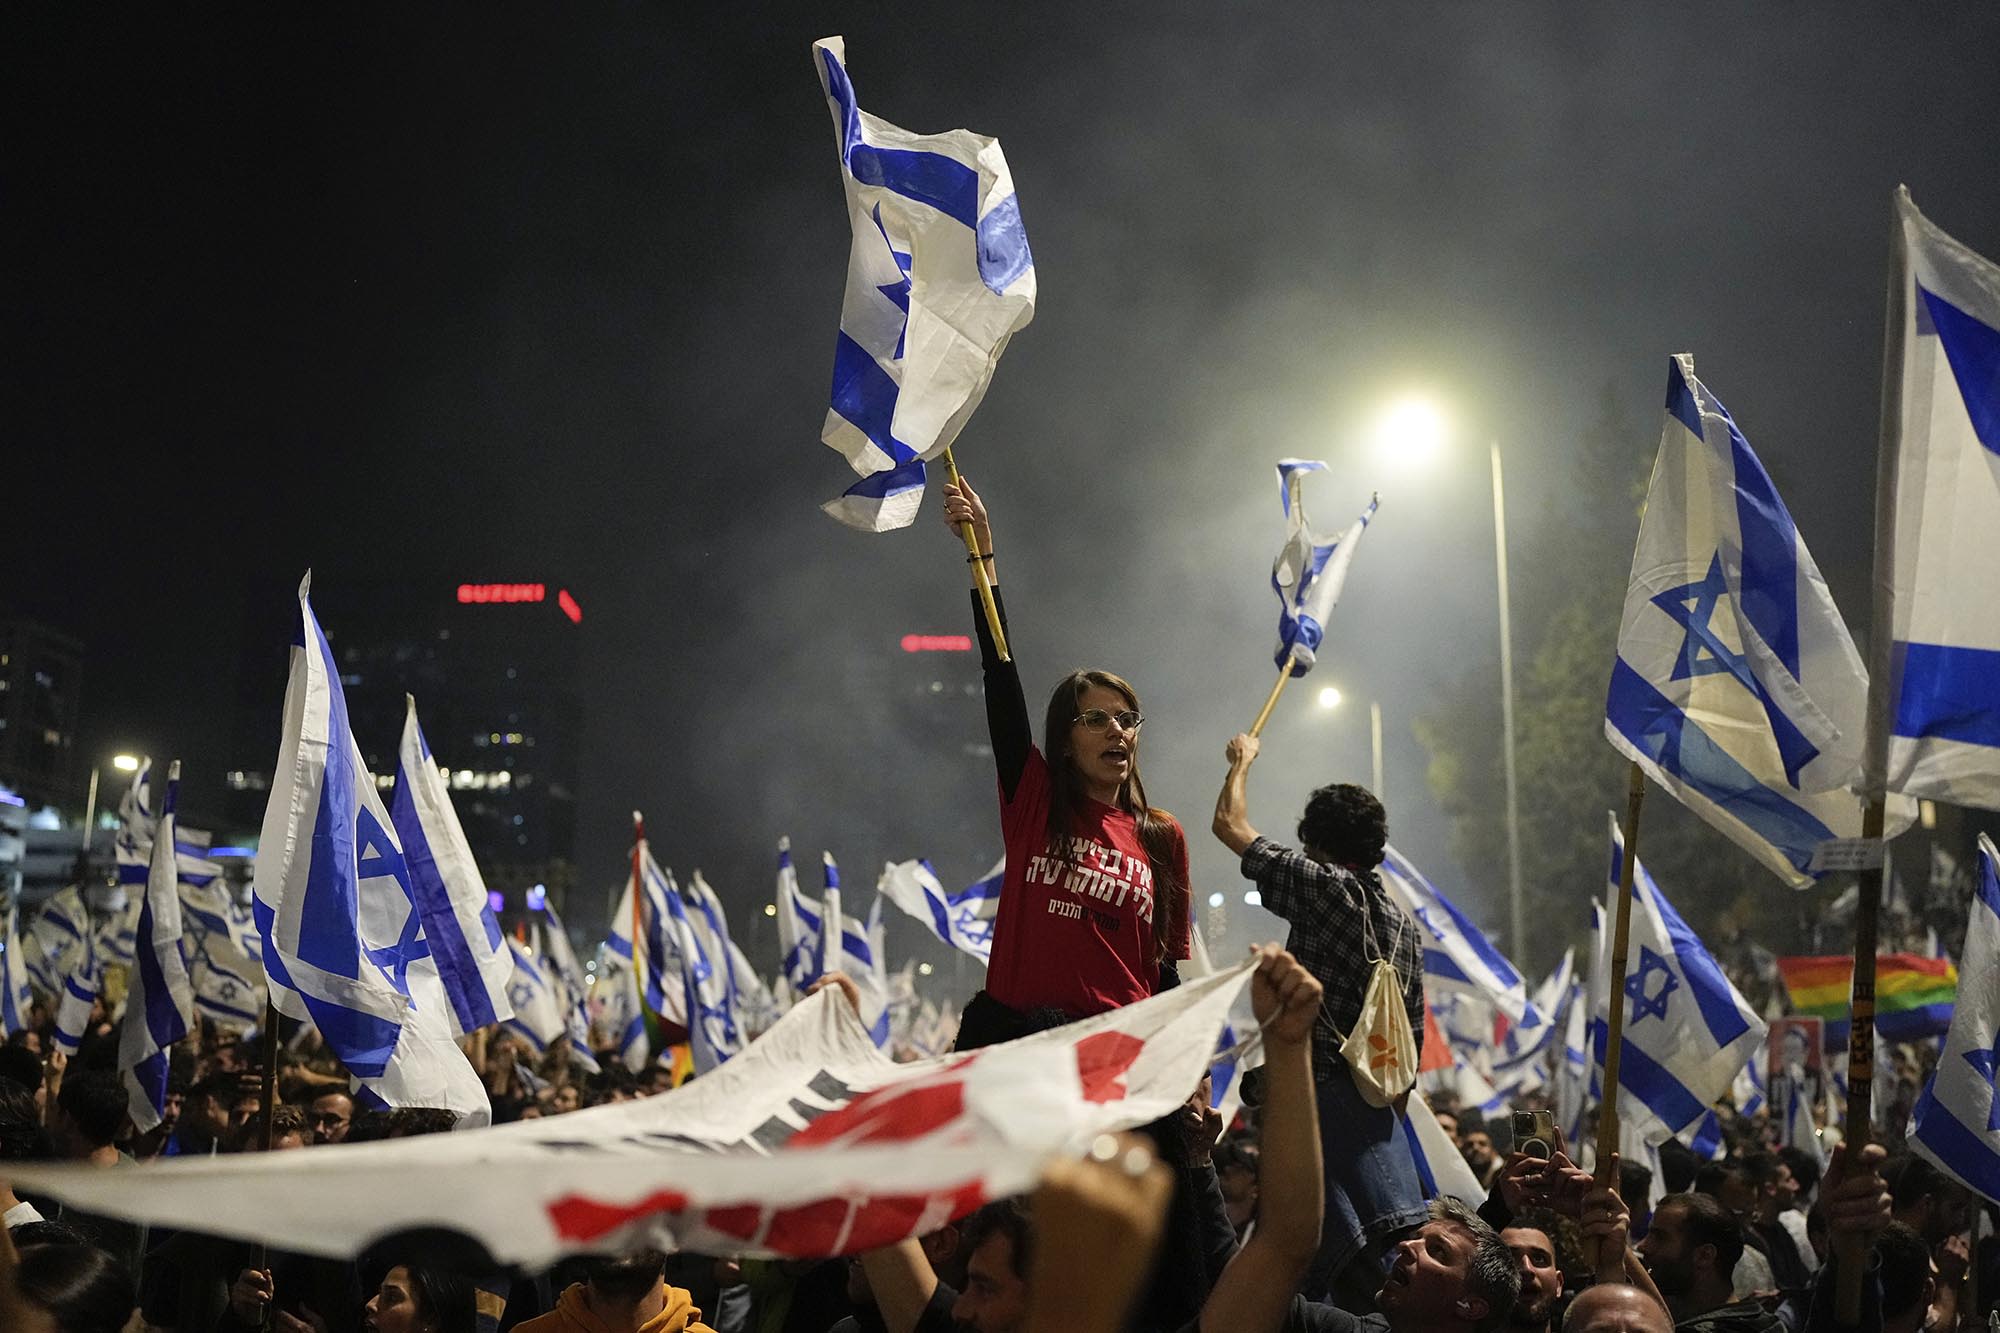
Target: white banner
{"points": [[809, 1143]]}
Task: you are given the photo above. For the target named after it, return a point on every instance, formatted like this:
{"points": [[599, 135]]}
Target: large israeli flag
{"points": [[1458, 957], [1944, 696], [16, 998], [939, 277], [159, 1000], [1310, 569], [799, 927], [451, 900], [344, 946], [1687, 1029], [963, 920], [1736, 686], [1956, 1122]]}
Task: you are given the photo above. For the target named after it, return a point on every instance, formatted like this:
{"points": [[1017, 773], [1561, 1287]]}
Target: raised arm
{"points": [[1232, 807], [1255, 1290], [1006, 707]]}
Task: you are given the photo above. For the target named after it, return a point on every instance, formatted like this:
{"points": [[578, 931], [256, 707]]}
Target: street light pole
{"points": [[1515, 911], [1375, 745]]}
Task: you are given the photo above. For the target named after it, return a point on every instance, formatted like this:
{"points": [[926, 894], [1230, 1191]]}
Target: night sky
{"points": [[441, 294]]}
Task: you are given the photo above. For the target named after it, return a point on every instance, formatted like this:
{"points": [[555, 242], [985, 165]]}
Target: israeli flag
{"points": [[1573, 1070], [620, 1008], [713, 1032], [1956, 1122], [939, 277], [533, 1001], [1441, 1169], [799, 927], [1944, 712], [845, 947], [709, 925], [344, 947], [159, 1001], [228, 986], [1736, 686], [451, 901], [1239, 1048], [1751, 1089], [1521, 1064], [1458, 958], [1687, 1030], [964, 920], [558, 962], [16, 999], [76, 997], [208, 912], [1309, 570], [138, 816]]}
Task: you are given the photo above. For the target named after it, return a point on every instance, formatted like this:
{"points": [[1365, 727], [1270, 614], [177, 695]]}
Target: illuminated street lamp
{"points": [[124, 763], [1410, 434], [1329, 697]]}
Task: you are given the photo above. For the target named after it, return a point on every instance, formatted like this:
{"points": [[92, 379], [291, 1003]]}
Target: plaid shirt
{"points": [[1332, 910]]}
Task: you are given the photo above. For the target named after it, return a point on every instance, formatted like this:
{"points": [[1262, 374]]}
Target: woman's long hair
{"points": [[1066, 797]]}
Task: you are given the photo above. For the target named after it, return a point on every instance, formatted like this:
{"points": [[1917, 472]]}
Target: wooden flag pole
{"points": [[638, 890], [979, 570], [1271, 700], [1860, 1127], [1621, 936], [269, 1116]]}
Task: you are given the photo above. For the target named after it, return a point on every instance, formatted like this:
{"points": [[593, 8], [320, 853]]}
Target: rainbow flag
{"points": [[1914, 995]]}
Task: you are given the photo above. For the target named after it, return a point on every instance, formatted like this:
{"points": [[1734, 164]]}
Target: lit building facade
{"points": [[41, 674]]}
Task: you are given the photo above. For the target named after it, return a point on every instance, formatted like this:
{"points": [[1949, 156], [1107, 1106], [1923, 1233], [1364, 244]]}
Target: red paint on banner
{"points": [[895, 1114], [577, 1218], [1102, 1060]]}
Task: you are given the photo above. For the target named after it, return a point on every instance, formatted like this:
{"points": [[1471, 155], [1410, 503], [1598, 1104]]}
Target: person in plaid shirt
{"points": [[1342, 921]]}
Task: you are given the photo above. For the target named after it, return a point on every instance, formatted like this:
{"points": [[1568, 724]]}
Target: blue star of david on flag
{"points": [[378, 857], [1692, 607], [1648, 1002], [1985, 1062]]}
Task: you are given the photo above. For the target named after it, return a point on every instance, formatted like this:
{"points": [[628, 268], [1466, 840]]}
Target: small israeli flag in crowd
{"points": [[1309, 570], [799, 927], [1736, 686], [1458, 957], [1944, 714], [655, 961], [963, 920], [1956, 1122], [16, 999], [713, 1032], [159, 1000], [535, 1006], [1687, 1029], [1573, 1070], [1441, 1169], [228, 986], [938, 279], [709, 926], [209, 913], [451, 900], [78, 994], [344, 947]]}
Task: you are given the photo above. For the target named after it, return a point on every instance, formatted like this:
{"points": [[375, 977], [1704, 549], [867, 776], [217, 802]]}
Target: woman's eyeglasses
{"points": [[1096, 719]]}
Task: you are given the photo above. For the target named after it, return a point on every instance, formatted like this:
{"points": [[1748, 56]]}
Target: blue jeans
{"points": [[1372, 1190]]}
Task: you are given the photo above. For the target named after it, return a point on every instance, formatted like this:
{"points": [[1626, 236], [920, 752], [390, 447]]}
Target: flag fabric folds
{"points": [[228, 986], [534, 1001], [458, 926], [159, 999], [1914, 995], [1944, 694], [15, 996], [1687, 1029], [1458, 957], [75, 998], [939, 277], [1309, 571], [344, 946], [799, 927], [964, 920], [1956, 1121], [1736, 686]]}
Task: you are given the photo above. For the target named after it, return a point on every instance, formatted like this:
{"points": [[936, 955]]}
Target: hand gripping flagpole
{"points": [[1621, 935], [1271, 700], [979, 568]]}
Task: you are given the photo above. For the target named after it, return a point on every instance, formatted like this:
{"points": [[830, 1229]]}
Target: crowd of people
{"points": [[1309, 1212]]}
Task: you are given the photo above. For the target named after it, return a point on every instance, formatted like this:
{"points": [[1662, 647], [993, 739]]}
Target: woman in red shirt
{"points": [[1094, 900]]}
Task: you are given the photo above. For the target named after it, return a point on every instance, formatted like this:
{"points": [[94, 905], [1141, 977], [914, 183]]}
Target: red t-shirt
{"points": [[1075, 931]]}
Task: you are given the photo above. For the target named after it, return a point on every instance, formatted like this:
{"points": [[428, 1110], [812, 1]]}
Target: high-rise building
{"points": [[493, 668], [41, 670]]}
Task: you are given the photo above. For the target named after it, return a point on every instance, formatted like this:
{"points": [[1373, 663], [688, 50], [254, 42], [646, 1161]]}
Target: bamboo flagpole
{"points": [[1271, 700], [979, 569], [638, 889], [1859, 1129], [1621, 936]]}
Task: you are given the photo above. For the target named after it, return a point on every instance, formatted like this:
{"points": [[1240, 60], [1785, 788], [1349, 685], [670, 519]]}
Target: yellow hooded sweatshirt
{"points": [[573, 1315]]}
